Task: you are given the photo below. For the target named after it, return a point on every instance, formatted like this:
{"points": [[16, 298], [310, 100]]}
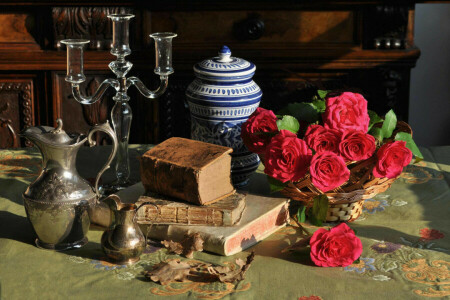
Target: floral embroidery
{"points": [[435, 273], [372, 206], [125, 276], [398, 203], [312, 297], [427, 234], [416, 174], [364, 264], [385, 247], [381, 278], [103, 264]]}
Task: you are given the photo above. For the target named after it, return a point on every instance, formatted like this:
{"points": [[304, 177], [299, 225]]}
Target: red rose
{"points": [[392, 157], [287, 157], [322, 139], [262, 120], [427, 234], [356, 145], [339, 247], [328, 171], [347, 111]]}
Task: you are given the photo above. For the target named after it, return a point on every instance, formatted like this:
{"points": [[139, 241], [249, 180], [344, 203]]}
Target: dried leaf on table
{"points": [[167, 272], [173, 246], [191, 243], [225, 274]]}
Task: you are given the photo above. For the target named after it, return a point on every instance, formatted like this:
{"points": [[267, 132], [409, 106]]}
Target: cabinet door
{"points": [[16, 110]]}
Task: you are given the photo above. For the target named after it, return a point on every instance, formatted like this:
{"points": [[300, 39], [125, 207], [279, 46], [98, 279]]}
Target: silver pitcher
{"points": [[59, 201]]}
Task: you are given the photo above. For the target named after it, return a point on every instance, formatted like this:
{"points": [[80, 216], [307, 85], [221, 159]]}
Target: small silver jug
{"points": [[123, 242], [59, 201]]}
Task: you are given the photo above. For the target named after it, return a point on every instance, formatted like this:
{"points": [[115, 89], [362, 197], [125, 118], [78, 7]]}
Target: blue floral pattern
{"points": [[364, 264]]}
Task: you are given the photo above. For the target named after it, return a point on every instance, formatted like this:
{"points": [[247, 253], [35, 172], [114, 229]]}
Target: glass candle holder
{"points": [[163, 52], [121, 36], [75, 65]]}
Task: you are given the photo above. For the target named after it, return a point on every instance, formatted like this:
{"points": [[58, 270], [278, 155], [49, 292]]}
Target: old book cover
{"points": [[165, 210], [262, 217], [189, 170]]}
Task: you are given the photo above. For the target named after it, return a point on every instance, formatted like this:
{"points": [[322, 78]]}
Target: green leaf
{"points": [[376, 133], [322, 93], [275, 185], [374, 118], [357, 261], [301, 214], [319, 210], [389, 124], [288, 123], [302, 111], [319, 105], [403, 136]]}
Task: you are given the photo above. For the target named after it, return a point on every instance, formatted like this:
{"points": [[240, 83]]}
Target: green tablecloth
{"points": [[405, 234]]}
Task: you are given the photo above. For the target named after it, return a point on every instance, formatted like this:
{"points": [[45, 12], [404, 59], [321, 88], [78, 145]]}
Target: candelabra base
{"points": [[113, 187]]}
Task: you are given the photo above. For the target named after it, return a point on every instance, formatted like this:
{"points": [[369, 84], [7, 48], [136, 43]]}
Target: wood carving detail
{"points": [[26, 113], [85, 22], [6, 125]]}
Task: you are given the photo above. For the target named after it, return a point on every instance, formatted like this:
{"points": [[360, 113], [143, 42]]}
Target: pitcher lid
{"points": [[225, 67], [50, 135]]}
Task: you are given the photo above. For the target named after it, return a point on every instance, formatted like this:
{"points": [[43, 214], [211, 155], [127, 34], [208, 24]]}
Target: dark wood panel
{"points": [[16, 31], [266, 29], [16, 110]]}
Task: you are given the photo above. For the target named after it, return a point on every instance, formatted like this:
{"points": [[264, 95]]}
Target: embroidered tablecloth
{"points": [[405, 234]]}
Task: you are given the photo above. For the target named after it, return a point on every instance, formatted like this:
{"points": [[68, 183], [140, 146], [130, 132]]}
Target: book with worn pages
{"points": [[189, 170], [262, 217], [164, 210]]}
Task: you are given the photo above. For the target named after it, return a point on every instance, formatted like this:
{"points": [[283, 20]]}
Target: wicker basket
{"points": [[347, 200]]}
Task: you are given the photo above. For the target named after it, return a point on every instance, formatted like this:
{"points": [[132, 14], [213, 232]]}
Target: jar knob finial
{"points": [[224, 54]]}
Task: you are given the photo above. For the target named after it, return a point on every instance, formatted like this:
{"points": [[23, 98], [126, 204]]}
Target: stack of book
{"points": [[186, 188]]}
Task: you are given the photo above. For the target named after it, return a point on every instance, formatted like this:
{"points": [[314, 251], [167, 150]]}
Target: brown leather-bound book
{"points": [[164, 210], [189, 170]]}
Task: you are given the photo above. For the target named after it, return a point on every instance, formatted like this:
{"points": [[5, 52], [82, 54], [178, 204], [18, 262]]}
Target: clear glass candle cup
{"points": [[121, 34], [75, 64], [163, 52]]}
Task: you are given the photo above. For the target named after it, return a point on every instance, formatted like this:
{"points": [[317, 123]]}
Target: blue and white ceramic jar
{"points": [[220, 99]]}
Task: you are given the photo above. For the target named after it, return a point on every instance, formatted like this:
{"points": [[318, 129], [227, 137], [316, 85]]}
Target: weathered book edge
{"points": [[222, 245]]}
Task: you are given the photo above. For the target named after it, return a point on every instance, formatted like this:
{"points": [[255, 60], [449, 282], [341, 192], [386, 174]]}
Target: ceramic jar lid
{"points": [[225, 67]]}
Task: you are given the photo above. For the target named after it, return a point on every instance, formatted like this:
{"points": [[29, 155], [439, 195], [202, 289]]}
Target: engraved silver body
{"points": [[58, 203]]}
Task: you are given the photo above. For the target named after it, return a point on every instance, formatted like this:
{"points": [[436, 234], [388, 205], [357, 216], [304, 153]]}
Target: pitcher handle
{"points": [[105, 127]]}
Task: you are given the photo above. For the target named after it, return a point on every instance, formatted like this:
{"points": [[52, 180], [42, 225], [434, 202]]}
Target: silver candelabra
{"points": [[121, 112]]}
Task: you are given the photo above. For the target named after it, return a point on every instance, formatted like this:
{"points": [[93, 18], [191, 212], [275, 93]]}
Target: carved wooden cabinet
{"points": [[297, 46]]}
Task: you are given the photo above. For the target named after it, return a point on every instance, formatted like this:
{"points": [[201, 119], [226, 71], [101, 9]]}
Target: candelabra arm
{"points": [[98, 93], [145, 91]]}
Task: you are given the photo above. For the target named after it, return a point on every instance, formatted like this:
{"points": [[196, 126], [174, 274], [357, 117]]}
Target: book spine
{"points": [[183, 215], [168, 179]]}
